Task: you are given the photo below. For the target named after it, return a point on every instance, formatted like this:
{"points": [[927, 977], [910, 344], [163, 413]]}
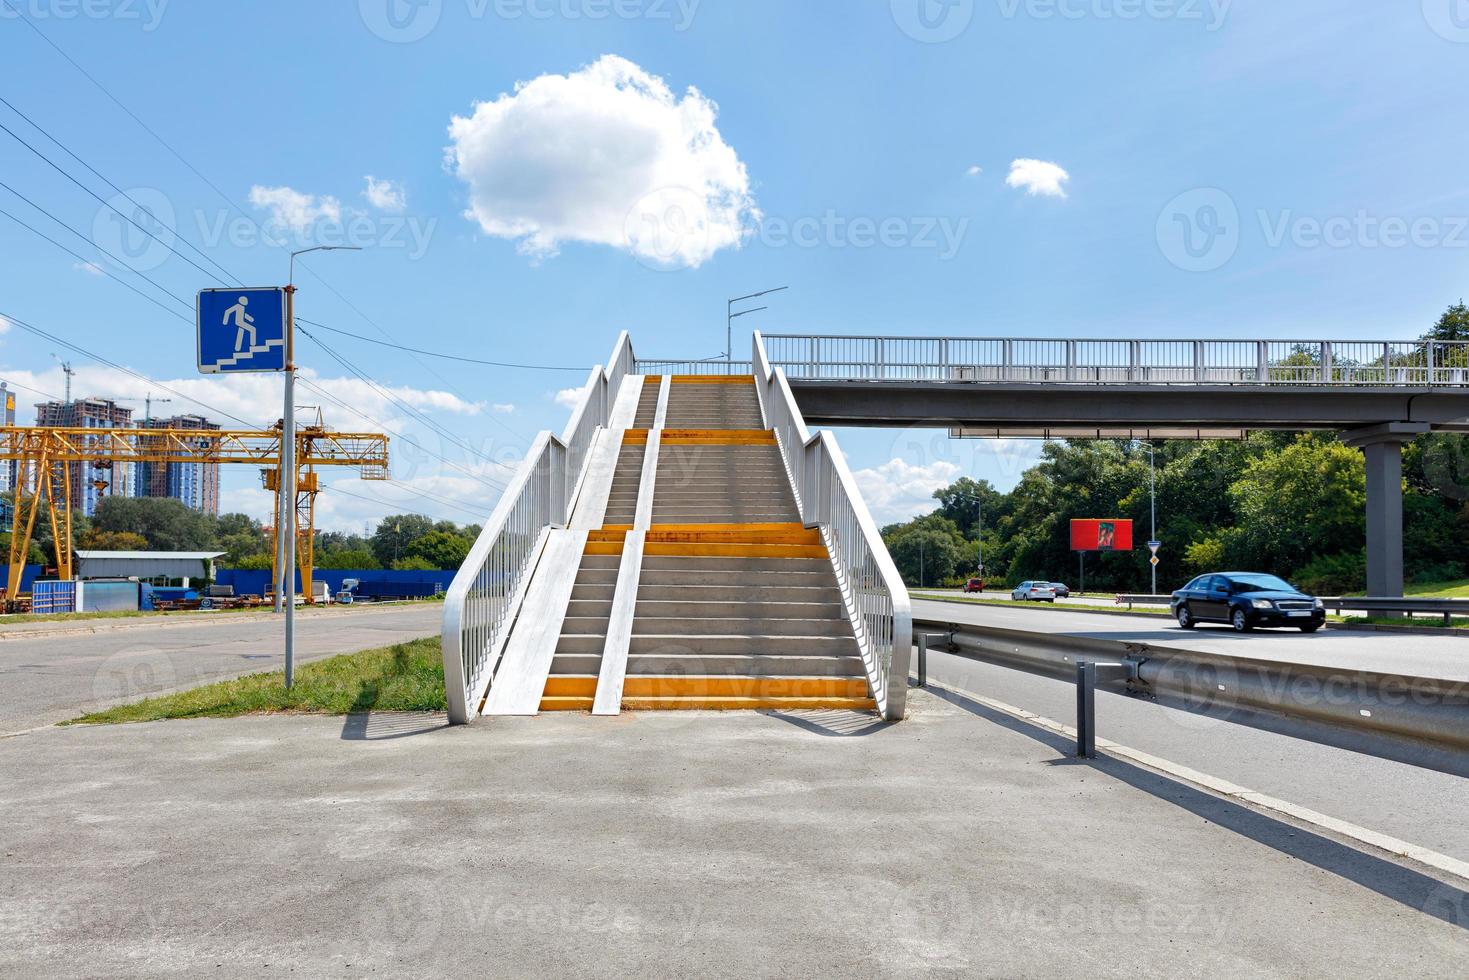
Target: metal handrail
{"points": [[1029, 360], [482, 601], [877, 601], [674, 366]]}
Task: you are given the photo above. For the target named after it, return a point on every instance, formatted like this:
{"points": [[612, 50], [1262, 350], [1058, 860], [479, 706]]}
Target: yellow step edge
{"points": [[567, 704], [812, 538], [724, 686], [570, 686], [777, 526], [603, 548], [747, 704], [634, 437], [701, 550], [713, 379], [717, 437]]}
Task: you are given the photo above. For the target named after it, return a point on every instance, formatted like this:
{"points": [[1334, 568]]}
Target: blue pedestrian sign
{"points": [[242, 330]]}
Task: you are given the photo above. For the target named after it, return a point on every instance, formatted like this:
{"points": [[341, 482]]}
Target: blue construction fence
{"points": [[378, 584], [28, 577]]}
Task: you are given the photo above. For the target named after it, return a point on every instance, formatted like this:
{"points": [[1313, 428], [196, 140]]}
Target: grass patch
{"points": [[1440, 590], [403, 677], [1426, 619]]}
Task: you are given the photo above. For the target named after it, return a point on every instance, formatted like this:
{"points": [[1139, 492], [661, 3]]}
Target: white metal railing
{"points": [[1415, 363], [693, 367], [481, 603], [877, 601]]}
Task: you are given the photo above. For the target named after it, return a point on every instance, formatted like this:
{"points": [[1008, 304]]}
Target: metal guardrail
{"points": [[872, 590], [1412, 363], [1231, 688], [482, 601], [693, 367], [1408, 606]]}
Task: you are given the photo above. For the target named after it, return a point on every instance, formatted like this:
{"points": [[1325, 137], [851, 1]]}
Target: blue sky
{"points": [[1241, 169]]}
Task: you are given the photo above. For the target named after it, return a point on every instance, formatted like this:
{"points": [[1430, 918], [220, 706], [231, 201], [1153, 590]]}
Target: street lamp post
{"points": [[285, 586], [731, 316], [1152, 508]]}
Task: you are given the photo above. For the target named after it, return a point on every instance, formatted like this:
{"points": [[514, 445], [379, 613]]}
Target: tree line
{"points": [[406, 542], [1288, 503]]}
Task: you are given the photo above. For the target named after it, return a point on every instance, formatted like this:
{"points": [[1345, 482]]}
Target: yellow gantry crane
{"points": [[45, 456]]}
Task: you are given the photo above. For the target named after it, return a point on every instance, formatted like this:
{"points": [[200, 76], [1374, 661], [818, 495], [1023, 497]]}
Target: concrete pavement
{"points": [[1443, 657], [671, 844], [49, 676]]}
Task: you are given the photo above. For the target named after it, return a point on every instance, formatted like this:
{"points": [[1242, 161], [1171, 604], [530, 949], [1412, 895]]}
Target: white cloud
{"points": [[606, 155], [5, 325], [385, 195], [504, 408], [90, 268], [294, 209], [569, 397], [975, 171], [1038, 177], [897, 490]]}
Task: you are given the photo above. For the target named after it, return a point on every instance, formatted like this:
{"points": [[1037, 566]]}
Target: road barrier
{"points": [[1219, 686], [1406, 606]]}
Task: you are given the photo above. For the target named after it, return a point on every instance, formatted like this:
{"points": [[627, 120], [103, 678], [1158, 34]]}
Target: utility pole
{"points": [[731, 316], [286, 522]]}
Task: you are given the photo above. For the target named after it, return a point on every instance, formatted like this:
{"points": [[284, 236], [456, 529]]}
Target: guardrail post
{"points": [[1134, 360], [922, 659], [1262, 362], [1086, 711], [1428, 357], [1070, 360], [1328, 369], [1199, 361], [1007, 357]]}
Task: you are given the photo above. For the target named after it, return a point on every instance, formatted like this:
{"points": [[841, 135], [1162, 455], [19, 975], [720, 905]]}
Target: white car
{"points": [[1034, 592]]}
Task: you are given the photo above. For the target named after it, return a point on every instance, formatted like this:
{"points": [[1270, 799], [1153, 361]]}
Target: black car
{"points": [[1246, 600], [1062, 592]]}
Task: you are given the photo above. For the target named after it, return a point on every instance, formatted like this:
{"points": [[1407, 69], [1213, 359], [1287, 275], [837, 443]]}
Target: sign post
{"points": [[250, 330], [1153, 546]]}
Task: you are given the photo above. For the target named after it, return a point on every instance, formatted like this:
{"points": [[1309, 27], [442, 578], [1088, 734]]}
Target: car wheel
{"points": [[1310, 627], [1185, 618], [1240, 621]]}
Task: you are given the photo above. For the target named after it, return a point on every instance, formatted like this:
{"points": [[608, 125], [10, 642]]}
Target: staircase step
{"points": [[572, 686], [738, 609], [678, 626], [746, 664], [748, 704], [567, 704], [760, 644], [753, 590], [726, 686]]}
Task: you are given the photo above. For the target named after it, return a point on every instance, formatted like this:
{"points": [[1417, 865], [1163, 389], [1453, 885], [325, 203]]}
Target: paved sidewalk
{"points": [[670, 844]]}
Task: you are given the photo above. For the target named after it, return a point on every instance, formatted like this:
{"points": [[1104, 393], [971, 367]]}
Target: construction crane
{"points": [[46, 455]]}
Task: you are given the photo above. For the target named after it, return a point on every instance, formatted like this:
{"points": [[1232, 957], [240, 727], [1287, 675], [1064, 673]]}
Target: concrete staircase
{"points": [[737, 604]]}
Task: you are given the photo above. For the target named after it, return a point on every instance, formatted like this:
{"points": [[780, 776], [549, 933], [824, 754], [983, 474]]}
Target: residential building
{"points": [[92, 482], [196, 484]]}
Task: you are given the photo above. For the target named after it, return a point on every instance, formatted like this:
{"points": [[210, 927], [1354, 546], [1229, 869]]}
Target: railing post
{"points": [[1086, 711], [945, 371], [560, 492], [1007, 358], [1262, 362], [1428, 357], [1199, 361], [1328, 369], [1070, 360], [877, 355], [811, 355], [1134, 360]]}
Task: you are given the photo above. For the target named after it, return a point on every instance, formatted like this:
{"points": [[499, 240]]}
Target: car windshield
{"points": [[1259, 583]]}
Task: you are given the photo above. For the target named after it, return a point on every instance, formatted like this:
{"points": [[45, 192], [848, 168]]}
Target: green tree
{"points": [[1298, 503], [926, 550], [166, 523], [441, 549], [414, 565], [355, 560], [1452, 325], [396, 534], [96, 539]]}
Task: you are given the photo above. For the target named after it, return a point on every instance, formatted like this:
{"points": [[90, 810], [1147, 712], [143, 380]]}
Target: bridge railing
{"points": [[1173, 362], [877, 601], [483, 599], [709, 367]]}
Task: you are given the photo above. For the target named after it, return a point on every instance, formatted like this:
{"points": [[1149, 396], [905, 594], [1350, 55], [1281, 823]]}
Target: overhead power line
{"points": [[447, 357]]}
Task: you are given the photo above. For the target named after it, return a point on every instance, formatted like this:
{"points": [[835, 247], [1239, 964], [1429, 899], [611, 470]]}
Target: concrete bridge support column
{"points": [[1382, 445]]}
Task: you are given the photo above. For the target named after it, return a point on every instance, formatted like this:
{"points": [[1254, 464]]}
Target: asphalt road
{"points": [[671, 844], [1445, 657], [46, 677], [1411, 802]]}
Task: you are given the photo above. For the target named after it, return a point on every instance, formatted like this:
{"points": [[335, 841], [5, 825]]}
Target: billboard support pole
{"points": [[1081, 563]]}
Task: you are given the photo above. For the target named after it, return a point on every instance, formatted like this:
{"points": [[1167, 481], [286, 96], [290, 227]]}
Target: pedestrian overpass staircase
{"points": [[685, 544]]}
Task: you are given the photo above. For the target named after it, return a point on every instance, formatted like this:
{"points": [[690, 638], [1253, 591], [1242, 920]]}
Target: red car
{"points": [[974, 585]]}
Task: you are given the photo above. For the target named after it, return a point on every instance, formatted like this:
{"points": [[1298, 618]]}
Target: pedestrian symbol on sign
{"points": [[242, 330]]}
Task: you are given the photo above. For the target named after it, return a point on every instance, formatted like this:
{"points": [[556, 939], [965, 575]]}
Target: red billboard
{"points": [[1103, 535]]}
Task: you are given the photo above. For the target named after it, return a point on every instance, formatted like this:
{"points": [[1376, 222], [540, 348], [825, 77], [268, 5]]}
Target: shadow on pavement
{"points": [[832, 724], [366, 726], [1401, 884]]}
